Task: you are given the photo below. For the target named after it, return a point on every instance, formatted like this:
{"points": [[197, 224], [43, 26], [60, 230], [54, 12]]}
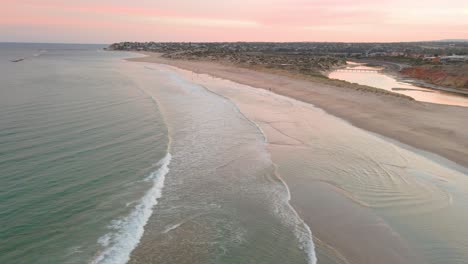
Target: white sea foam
{"points": [[127, 232], [172, 227], [301, 230], [39, 53]]}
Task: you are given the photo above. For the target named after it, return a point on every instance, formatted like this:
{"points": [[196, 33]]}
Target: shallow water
{"points": [[389, 83], [364, 197], [222, 201]]}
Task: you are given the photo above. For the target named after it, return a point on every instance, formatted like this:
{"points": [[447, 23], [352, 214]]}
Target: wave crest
{"points": [[127, 232]]}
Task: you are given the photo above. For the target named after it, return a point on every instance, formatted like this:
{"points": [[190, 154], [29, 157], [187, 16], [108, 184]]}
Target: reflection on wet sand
{"points": [[366, 199]]}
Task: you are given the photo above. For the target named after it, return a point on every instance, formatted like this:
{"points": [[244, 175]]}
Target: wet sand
{"points": [[439, 129], [221, 201], [365, 198]]}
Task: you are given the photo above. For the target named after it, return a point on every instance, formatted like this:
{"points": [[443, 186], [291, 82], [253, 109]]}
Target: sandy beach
{"points": [[365, 198], [351, 186], [438, 129]]}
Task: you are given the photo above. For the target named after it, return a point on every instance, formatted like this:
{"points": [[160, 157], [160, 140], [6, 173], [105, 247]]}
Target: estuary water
{"points": [[371, 76]]}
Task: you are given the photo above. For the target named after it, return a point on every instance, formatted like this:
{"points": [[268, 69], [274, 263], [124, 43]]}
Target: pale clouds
{"points": [[223, 20]]}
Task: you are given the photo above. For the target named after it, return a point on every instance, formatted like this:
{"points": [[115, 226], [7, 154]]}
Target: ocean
{"points": [[103, 160], [107, 161]]}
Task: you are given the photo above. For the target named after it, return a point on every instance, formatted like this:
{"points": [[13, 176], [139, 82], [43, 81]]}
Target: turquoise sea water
{"points": [[77, 140], [108, 161]]}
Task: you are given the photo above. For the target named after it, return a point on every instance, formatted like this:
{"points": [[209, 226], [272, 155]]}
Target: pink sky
{"points": [[107, 21]]}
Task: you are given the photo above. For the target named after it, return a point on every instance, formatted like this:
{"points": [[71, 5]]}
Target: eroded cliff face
{"points": [[455, 76]]}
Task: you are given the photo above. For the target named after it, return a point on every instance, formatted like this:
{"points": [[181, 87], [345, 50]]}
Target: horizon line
{"points": [[239, 41]]}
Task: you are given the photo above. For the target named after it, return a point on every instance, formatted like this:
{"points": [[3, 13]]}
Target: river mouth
{"points": [[374, 76]]}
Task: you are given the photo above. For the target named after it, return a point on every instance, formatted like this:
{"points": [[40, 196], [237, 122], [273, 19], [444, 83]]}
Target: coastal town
{"points": [[337, 49], [436, 62]]}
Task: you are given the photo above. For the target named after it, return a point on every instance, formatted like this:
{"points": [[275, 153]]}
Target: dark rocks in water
{"points": [[17, 60]]}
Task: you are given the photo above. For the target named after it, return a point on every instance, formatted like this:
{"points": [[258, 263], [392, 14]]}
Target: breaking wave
{"points": [[127, 231]]}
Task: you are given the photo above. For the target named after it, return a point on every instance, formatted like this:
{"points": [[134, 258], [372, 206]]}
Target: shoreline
{"points": [[342, 221], [424, 84], [430, 127], [159, 235], [337, 239]]}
